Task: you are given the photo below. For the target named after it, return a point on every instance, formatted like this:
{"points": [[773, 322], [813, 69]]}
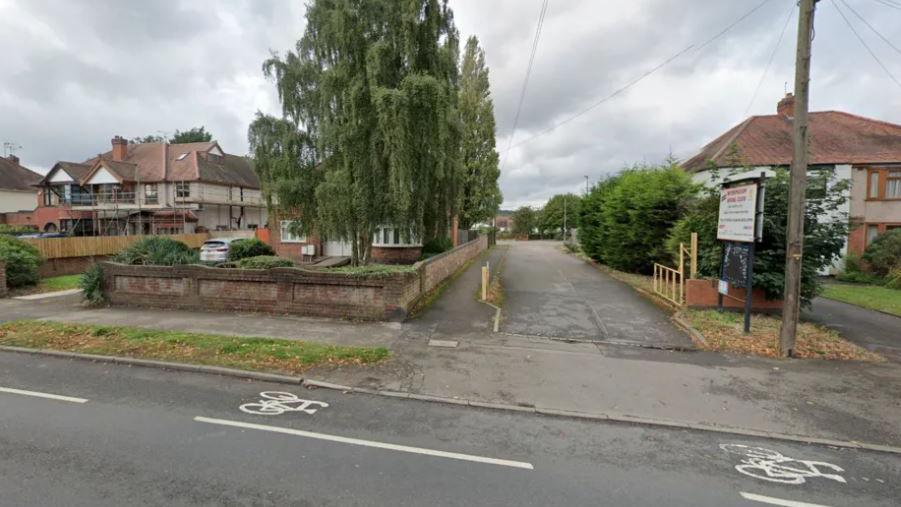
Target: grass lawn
{"points": [[52, 284], [723, 333], [873, 297], [258, 354]]}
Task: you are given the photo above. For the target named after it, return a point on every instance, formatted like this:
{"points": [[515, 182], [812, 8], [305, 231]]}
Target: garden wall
{"points": [[283, 290], [3, 289], [701, 294]]}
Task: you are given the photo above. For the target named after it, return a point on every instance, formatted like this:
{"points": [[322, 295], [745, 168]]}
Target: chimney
{"points": [[14, 159], [786, 106], [120, 148]]}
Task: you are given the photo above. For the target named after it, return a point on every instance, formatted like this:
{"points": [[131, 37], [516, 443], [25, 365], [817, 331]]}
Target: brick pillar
{"points": [[3, 291], [455, 229]]}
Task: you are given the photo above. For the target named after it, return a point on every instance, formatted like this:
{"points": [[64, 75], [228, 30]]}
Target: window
{"points": [[884, 184], [241, 190], [387, 236], [182, 156], [872, 232], [182, 189], [287, 235], [230, 193], [151, 195]]}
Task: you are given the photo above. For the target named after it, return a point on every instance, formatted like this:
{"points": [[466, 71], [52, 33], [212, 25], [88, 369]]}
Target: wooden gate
{"points": [[670, 282]]}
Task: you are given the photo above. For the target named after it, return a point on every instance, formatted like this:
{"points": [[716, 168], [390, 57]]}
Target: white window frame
{"points": [[395, 238], [182, 189], [285, 235]]}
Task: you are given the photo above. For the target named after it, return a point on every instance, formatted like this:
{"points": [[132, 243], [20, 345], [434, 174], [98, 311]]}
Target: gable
{"points": [[215, 150], [61, 176], [102, 176]]}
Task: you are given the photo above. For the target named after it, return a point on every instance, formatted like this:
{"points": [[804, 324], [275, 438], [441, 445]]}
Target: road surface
{"points": [[81, 433]]}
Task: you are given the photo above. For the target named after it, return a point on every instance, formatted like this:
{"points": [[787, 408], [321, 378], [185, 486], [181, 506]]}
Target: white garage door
{"points": [[337, 248]]}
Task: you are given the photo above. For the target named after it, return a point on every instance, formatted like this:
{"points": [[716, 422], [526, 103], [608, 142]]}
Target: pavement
{"points": [[628, 376], [872, 330], [77, 433]]}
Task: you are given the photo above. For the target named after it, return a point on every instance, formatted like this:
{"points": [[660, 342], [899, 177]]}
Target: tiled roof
{"points": [[16, 177], [835, 138]]}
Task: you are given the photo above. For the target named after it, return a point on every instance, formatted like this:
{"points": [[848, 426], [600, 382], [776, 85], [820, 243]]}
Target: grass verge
{"points": [[52, 284], [873, 297], [257, 354], [374, 270], [723, 333]]}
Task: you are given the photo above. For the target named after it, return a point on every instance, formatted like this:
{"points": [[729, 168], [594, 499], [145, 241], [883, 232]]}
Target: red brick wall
{"points": [[396, 255], [283, 290], [703, 294], [857, 239], [3, 289]]}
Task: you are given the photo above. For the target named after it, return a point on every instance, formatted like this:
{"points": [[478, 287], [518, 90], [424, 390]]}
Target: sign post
{"points": [[740, 227]]}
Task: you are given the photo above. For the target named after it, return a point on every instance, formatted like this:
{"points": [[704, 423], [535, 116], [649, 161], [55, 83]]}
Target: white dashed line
{"points": [[367, 443], [36, 394], [777, 501]]}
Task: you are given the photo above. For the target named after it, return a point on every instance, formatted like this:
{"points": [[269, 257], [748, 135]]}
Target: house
{"points": [[504, 223], [865, 151], [17, 186], [155, 188]]}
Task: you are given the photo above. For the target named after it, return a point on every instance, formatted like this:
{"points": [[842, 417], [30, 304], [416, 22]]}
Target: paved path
{"points": [[872, 330], [152, 437], [550, 293]]}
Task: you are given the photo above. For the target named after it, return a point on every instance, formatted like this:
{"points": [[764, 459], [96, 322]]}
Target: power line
{"points": [[638, 79], [871, 27], [791, 13], [888, 3], [865, 45], [525, 82]]}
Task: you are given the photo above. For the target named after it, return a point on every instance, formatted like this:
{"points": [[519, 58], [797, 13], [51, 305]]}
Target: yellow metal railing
{"points": [[669, 283]]}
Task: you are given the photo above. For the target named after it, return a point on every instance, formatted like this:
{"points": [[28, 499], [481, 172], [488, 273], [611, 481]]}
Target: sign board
{"points": [[723, 287], [738, 213], [736, 263]]}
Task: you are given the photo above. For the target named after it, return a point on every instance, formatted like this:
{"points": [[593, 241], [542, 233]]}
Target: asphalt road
{"points": [[132, 436]]}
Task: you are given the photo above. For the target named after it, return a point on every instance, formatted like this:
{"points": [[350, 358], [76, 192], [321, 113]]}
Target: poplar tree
{"points": [[374, 84], [481, 195]]}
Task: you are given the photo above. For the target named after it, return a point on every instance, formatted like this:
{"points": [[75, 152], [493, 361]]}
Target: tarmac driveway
{"points": [[553, 294]]}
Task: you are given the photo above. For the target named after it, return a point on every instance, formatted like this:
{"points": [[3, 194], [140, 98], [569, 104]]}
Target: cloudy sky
{"points": [[75, 73]]}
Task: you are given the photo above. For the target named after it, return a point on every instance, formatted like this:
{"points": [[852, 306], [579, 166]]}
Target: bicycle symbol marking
{"points": [[278, 402], [769, 465]]}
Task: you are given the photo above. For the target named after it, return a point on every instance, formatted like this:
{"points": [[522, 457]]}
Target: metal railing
{"points": [[669, 283]]}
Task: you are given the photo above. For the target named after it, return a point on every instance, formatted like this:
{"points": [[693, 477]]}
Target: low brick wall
{"points": [[68, 265], [396, 255], [703, 294], [3, 290], [282, 290]]}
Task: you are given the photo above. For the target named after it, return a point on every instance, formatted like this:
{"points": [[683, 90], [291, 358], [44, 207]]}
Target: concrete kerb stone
{"points": [[617, 418], [686, 326]]}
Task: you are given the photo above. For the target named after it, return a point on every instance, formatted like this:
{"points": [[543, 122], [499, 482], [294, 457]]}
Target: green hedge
{"points": [[245, 248], [884, 253], [14, 230], [22, 262], [157, 251], [264, 262]]}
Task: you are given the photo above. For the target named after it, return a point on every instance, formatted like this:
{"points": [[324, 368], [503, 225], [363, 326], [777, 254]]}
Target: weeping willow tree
{"points": [[374, 84]]}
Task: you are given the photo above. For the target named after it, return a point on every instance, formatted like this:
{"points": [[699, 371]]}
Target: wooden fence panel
{"points": [[89, 246]]}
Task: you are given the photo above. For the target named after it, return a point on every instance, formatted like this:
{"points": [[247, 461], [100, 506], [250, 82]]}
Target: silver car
{"points": [[216, 250]]}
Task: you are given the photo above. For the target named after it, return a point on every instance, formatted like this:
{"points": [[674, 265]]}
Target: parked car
{"points": [[216, 250]]}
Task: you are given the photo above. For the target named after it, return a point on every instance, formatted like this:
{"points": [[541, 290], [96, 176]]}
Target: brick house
{"points": [[155, 188], [17, 186], [863, 150]]}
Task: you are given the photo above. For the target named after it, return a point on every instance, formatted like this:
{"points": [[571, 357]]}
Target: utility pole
{"points": [[564, 218], [791, 305]]}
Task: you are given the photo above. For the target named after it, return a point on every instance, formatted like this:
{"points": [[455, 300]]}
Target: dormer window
{"points": [[182, 156]]}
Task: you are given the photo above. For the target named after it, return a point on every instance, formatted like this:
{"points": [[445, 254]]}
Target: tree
{"points": [[592, 235], [481, 195], [375, 84], [825, 232], [195, 135], [524, 221], [559, 209], [150, 138]]}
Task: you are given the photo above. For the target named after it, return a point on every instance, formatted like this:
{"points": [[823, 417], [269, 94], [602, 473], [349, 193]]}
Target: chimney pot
{"points": [[120, 148], [786, 106]]}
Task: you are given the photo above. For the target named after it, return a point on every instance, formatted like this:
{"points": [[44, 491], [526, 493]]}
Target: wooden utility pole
{"points": [[791, 305]]}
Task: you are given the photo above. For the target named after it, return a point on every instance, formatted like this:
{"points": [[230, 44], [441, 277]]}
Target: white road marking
{"points": [[777, 501], [279, 402], [770, 465], [42, 395], [367, 443], [48, 295]]}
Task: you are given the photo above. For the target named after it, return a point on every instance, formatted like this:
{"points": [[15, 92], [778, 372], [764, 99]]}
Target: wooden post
{"points": [[485, 278], [791, 306], [694, 256]]}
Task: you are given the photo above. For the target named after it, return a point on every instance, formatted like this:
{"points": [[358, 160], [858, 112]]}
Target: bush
{"points": [[91, 284], [854, 272], [15, 230], [157, 251], [435, 246], [893, 280], [884, 253], [264, 262], [22, 262], [251, 247]]}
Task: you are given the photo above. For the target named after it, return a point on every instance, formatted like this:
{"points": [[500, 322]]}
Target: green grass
{"points": [[374, 269], [873, 297], [259, 354], [56, 283]]}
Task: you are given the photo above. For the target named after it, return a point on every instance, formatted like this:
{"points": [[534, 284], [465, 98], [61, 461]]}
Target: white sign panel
{"points": [[738, 206]]}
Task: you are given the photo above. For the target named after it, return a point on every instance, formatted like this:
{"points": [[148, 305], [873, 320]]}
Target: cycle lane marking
{"points": [[279, 402], [773, 466], [367, 443], [777, 501], [36, 394]]}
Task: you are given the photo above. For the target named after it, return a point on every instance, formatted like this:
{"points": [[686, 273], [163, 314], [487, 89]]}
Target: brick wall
{"points": [[703, 294], [68, 265], [283, 290], [3, 290], [396, 255]]}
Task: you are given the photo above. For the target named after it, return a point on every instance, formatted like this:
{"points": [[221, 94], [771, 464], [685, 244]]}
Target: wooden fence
{"points": [[90, 246]]}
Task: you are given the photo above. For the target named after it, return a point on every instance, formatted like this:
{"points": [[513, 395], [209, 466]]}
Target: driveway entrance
{"points": [[553, 294]]}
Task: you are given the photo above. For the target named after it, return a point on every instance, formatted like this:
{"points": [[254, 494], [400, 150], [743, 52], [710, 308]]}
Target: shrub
{"points": [[22, 262], [14, 230], [893, 280], [251, 247], [437, 245], [859, 277], [91, 284], [884, 253], [264, 262], [157, 251]]}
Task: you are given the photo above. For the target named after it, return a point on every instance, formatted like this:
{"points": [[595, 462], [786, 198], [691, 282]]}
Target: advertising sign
{"points": [[738, 213]]}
